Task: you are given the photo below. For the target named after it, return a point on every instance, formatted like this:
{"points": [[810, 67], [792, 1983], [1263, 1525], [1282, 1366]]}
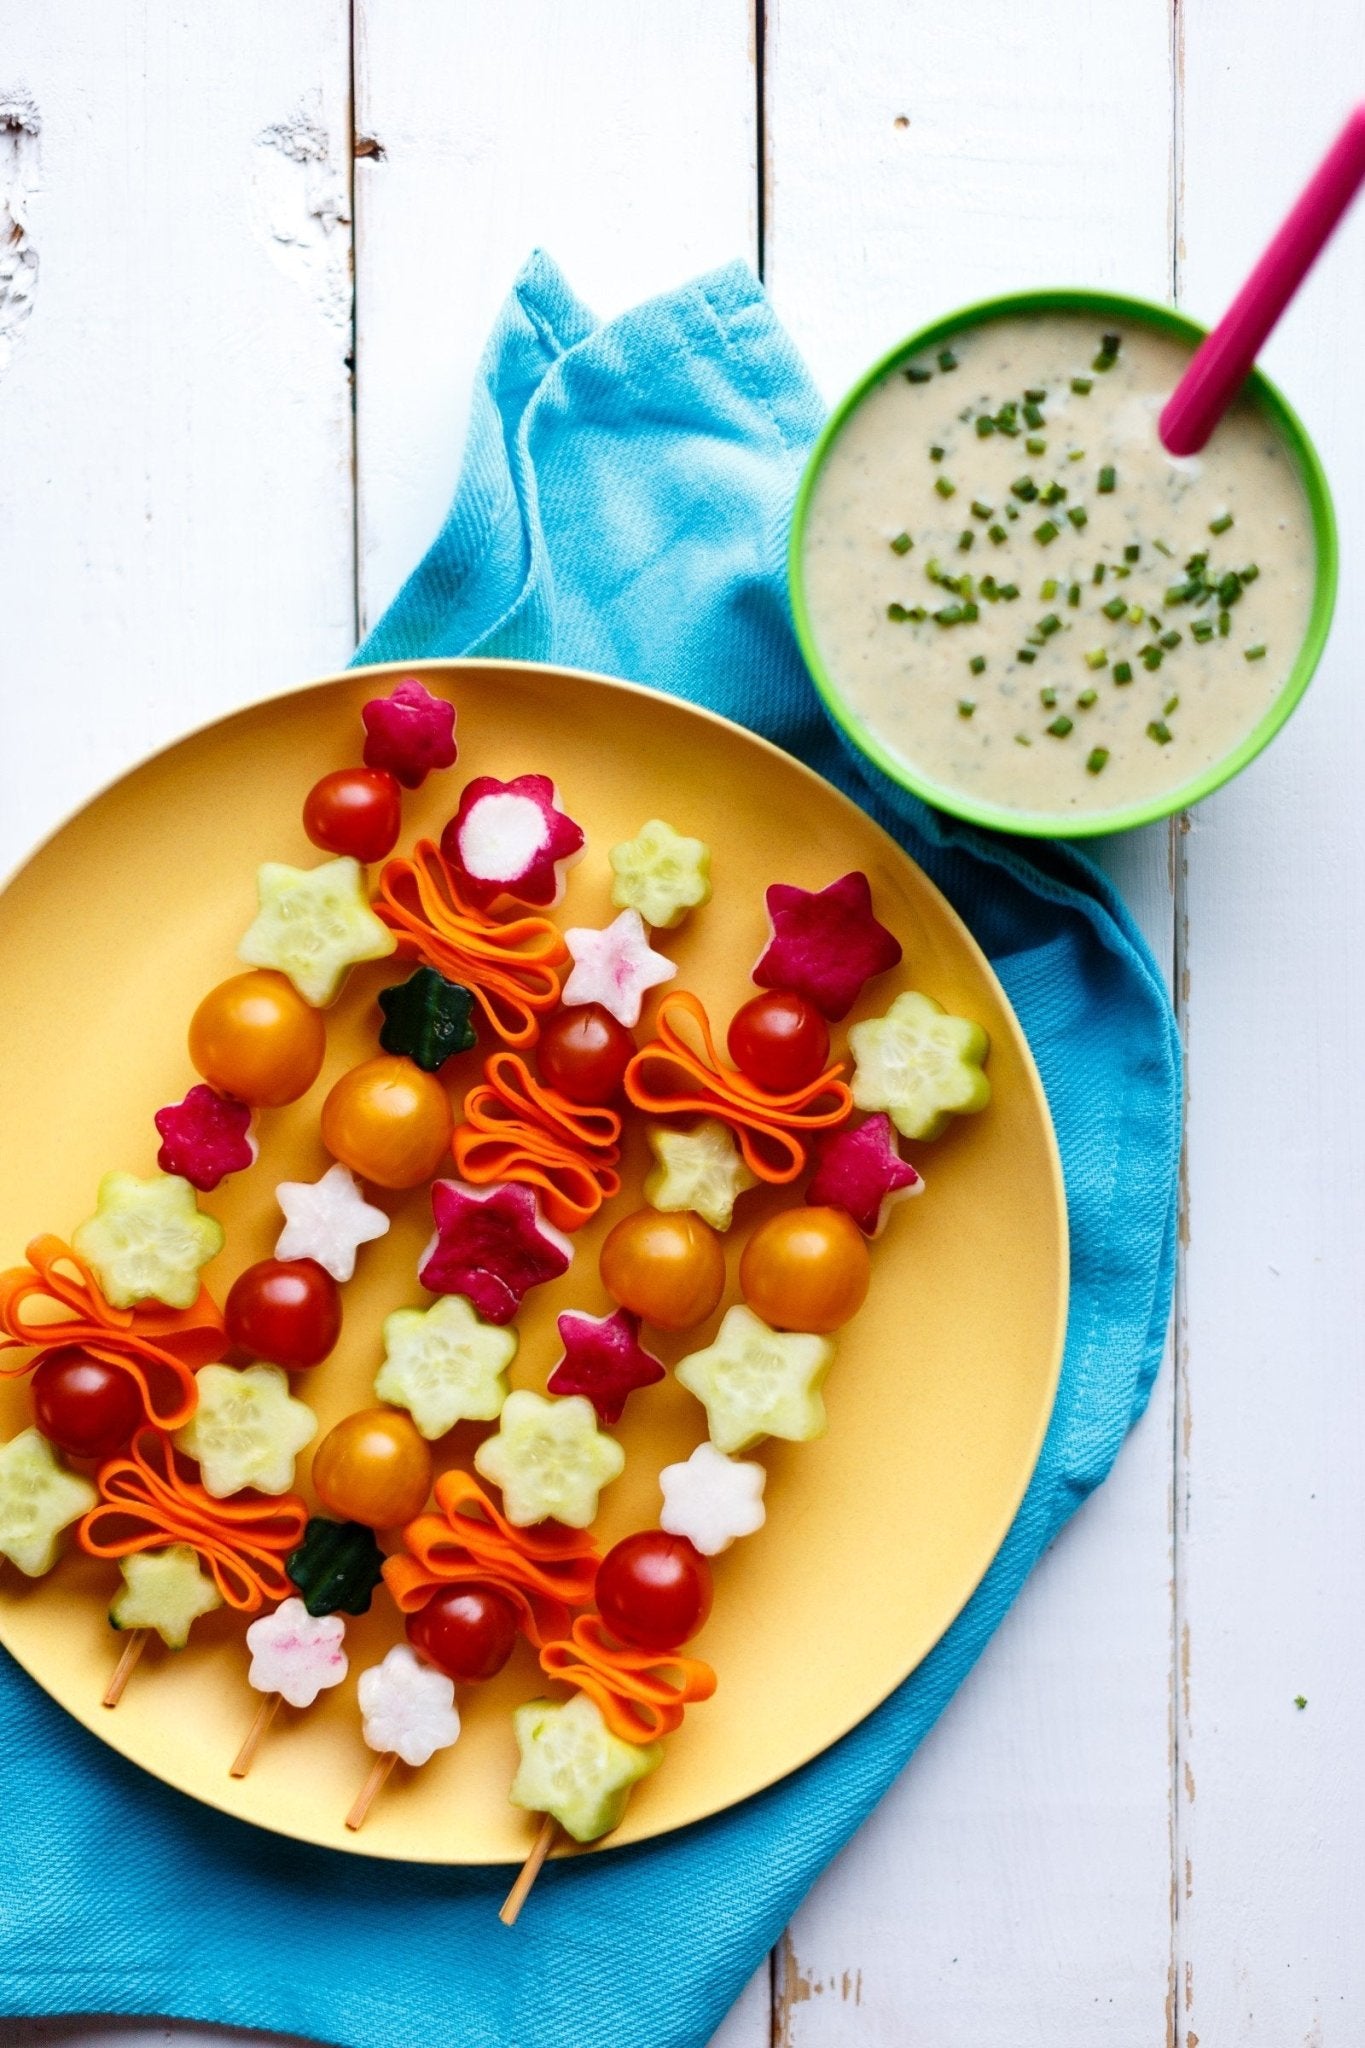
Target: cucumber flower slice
{"points": [[445, 1365], [700, 1169], [246, 1430], [920, 1064], [755, 1382], [573, 1767], [38, 1498], [164, 1590], [147, 1240], [313, 924], [550, 1459], [661, 874]]}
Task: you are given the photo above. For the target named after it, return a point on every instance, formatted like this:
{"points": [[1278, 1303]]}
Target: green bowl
{"points": [[1034, 823]]}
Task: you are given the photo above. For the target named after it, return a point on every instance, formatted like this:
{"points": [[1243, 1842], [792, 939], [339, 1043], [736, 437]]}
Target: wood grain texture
{"points": [[1015, 1886], [175, 494], [1272, 1531]]}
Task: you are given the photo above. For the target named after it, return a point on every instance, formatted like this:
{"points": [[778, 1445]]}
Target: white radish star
{"points": [[327, 1220], [295, 1653], [615, 967], [711, 1499]]}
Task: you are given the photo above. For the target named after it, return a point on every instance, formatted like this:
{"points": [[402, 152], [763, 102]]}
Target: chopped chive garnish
{"points": [[1249, 574], [1109, 353], [1034, 395], [1224, 624], [1108, 478], [965, 707], [933, 569], [1229, 588], [1171, 704], [1036, 639], [897, 612], [1075, 455], [1098, 576], [1115, 608], [1162, 549], [965, 539], [1171, 639], [1159, 731], [1082, 386], [1202, 629], [1011, 511], [1152, 657], [1049, 587], [977, 664], [902, 544], [1078, 516], [1096, 759], [1180, 593], [989, 588], [1132, 553], [1021, 739], [997, 534], [1024, 487], [1087, 698], [1073, 595], [917, 374], [918, 614], [1032, 415], [936, 453], [1054, 494], [980, 511], [1049, 625], [985, 426], [1060, 726], [1123, 672], [1009, 590], [1007, 421], [1256, 653], [1036, 445], [971, 613], [1135, 615], [950, 614], [946, 359], [944, 487], [1026, 654], [1221, 523], [1046, 533], [1097, 658], [1048, 699], [1122, 569]]}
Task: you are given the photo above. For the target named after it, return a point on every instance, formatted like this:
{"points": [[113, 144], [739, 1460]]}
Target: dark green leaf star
{"points": [[426, 1018], [337, 1566]]}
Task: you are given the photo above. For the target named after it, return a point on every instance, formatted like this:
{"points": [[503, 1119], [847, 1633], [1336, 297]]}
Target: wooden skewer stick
{"points": [[255, 1735], [530, 1870], [369, 1791], [124, 1669]]}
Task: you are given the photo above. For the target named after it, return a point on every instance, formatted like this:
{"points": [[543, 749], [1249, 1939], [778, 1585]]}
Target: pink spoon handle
{"points": [[1220, 365]]}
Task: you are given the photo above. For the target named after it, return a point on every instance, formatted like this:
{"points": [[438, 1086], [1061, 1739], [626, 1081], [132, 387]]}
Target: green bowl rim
{"points": [[1035, 824]]}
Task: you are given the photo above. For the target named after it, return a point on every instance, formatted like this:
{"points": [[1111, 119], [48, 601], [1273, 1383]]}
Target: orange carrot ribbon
{"points": [[516, 1128], [638, 1702], [160, 1348], [542, 1572], [669, 1078], [509, 966], [146, 1502]]}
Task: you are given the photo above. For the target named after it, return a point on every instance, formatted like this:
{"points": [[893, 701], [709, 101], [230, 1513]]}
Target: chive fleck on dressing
{"points": [[1179, 589]]}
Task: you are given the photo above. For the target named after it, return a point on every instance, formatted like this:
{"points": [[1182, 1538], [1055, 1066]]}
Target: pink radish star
{"points": [[491, 1245], [511, 839], [615, 967], [604, 1359], [409, 732], [862, 1173], [825, 943]]}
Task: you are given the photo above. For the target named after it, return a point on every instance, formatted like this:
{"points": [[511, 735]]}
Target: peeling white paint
{"points": [[19, 130], [300, 200]]}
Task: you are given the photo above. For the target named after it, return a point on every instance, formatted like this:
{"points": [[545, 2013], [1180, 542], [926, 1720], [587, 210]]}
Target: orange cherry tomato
{"points": [[388, 1121], [255, 1038], [355, 810], [374, 1468], [668, 1269], [806, 1269]]}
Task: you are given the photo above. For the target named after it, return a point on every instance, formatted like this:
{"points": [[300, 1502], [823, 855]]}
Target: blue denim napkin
{"points": [[623, 506]]}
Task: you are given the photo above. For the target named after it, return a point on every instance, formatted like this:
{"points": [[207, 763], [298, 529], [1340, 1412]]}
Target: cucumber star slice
{"points": [[755, 1382], [700, 1169], [313, 924], [164, 1590], [920, 1064], [147, 1240], [572, 1766], [550, 1459], [445, 1365], [660, 873], [246, 1430], [38, 1497]]}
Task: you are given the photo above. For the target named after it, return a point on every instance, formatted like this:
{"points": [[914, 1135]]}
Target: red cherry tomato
{"points": [[285, 1311], [654, 1590], [355, 810], [86, 1408], [584, 1052], [780, 1041], [466, 1631]]}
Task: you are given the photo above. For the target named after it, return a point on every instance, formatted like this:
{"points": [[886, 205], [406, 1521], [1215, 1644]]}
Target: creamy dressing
{"points": [[1043, 700]]}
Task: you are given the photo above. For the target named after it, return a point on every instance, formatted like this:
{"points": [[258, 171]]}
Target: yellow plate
{"points": [[942, 1388]]}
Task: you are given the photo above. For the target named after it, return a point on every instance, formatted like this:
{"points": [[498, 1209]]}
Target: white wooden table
{"points": [[252, 253]]}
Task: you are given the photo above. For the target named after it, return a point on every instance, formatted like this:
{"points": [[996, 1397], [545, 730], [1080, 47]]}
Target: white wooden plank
{"points": [[1016, 1884], [1272, 1557], [175, 493], [619, 138]]}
